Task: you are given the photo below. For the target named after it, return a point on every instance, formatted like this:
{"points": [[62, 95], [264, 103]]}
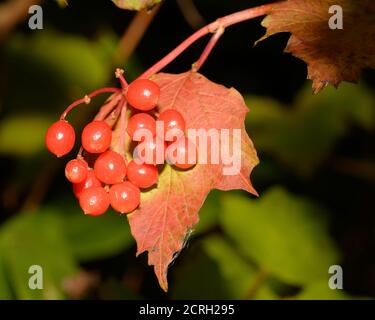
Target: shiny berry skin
{"points": [[141, 121], [60, 138], [110, 167], [124, 197], [143, 94], [90, 182], [94, 201], [179, 152], [142, 175], [96, 137], [76, 170], [150, 151], [174, 123]]}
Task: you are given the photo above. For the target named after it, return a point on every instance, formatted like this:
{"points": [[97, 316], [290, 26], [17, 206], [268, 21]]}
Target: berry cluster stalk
{"points": [[217, 27], [87, 99]]}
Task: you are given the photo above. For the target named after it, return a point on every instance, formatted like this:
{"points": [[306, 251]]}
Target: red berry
{"points": [[110, 167], [141, 121], [150, 151], [94, 201], [96, 137], [76, 170], [174, 124], [90, 182], [60, 138], [143, 94], [142, 175], [182, 153], [124, 197]]}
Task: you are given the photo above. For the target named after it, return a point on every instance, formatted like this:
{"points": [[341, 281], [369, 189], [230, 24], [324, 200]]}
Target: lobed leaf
{"points": [[136, 4], [168, 212], [332, 55]]}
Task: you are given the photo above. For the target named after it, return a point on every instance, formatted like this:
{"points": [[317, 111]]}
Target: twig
{"points": [[223, 22], [256, 285], [362, 169], [106, 109], [191, 13], [40, 186], [13, 12], [133, 34], [87, 99], [207, 50]]}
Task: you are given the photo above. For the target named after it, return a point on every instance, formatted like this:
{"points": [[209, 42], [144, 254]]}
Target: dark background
{"points": [[341, 180]]}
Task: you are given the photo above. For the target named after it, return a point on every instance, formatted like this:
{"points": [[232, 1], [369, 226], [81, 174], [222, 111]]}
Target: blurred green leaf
{"points": [[36, 239], [284, 234], [23, 135], [136, 4], [303, 136], [209, 213], [62, 3], [213, 270], [321, 291], [5, 292], [51, 68], [353, 103], [76, 60], [97, 237]]}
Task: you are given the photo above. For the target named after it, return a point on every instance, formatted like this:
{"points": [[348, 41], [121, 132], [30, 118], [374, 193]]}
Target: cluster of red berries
{"points": [[122, 181]]}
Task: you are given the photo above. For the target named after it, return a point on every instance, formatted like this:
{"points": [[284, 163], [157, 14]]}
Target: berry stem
{"points": [[208, 49], [120, 75], [87, 99], [108, 107], [80, 152], [213, 27], [111, 119], [123, 128]]}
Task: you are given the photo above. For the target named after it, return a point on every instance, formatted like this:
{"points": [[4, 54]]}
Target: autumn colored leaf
{"points": [[168, 212], [332, 55], [136, 4]]}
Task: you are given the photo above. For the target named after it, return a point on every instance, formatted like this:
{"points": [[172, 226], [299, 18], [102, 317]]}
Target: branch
{"points": [[134, 34], [191, 13], [260, 278], [13, 12], [208, 49], [213, 27], [107, 108]]}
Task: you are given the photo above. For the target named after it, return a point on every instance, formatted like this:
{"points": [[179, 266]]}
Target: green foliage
{"points": [[209, 213], [72, 60], [302, 136], [284, 234], [5, 292], [136, 4], [56, 240], [52, 69], [36, 239], [214, 269], [83, 232], [13, 139], [320, 291], [239, 243], [62, 3]]}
